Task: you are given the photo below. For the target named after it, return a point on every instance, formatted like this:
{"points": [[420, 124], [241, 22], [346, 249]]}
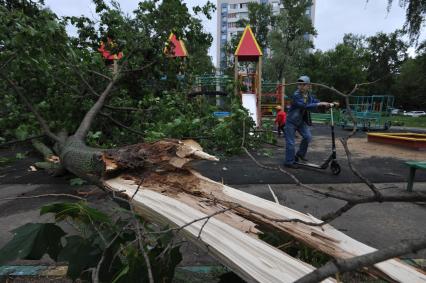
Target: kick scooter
{"points": [[331, 160]]}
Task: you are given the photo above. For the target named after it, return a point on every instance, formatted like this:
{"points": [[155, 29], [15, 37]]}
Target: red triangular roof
{"points": [[107, 54], [178, 49], [248, 46]]}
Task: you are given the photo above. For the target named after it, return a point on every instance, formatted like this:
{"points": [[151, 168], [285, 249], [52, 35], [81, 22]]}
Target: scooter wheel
{"points": [[335, 168]]}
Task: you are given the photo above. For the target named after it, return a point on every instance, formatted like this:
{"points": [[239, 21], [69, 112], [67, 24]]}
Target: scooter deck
{"points": [[307, 164]]}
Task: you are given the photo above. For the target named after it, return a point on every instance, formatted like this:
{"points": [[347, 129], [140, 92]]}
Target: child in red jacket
{"points": [[280, 120]]}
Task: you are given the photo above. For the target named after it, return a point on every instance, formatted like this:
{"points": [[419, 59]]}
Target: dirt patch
{"points": [[364, 149], [361, 148]]}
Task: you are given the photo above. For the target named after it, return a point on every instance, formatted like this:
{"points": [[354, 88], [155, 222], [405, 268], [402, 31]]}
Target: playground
{"points": [[392, 167]]}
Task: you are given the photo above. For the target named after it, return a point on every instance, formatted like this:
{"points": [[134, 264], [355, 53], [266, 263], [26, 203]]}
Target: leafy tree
{"points": [[410, 87], [260, 19], [414, 16], [342, 67], [289, 40], [386, 54]]}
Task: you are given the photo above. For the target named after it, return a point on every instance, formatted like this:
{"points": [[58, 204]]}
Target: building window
{"points": [[233, 6], [223, 36], [232, 15], [243, 15], [232, 25]]}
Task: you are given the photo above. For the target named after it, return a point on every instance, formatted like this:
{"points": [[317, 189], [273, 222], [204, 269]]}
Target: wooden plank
{"points": [[250, 258]]}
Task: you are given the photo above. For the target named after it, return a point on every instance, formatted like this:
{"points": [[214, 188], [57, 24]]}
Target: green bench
{"points": [[414, 165], [320, 117]]}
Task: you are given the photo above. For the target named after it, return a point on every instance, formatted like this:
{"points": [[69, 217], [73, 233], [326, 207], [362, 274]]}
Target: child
{"points": [[280, 120]]}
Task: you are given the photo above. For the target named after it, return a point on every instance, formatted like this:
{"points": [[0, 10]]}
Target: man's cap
{"points": [[304, 79], [278, 107]]}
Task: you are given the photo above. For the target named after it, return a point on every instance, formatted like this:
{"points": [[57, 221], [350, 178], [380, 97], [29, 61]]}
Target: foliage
{"points": [[289, 41], [61, 76], [341, 67], [386, 52], [177, 116], [32, 241], [410, 87], [106, 242], [414, 16], [260, 19], [407, 121]]}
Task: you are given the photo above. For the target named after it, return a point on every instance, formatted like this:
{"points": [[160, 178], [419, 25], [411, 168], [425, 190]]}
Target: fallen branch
{"points": [[118, 123], [355, 263], [45, 195], [20, 141]]}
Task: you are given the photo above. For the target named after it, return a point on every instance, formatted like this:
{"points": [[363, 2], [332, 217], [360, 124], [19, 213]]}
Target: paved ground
{"points": [[378, 225]]}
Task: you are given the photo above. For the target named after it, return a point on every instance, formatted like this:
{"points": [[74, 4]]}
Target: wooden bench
{"points": [[414, 165]]}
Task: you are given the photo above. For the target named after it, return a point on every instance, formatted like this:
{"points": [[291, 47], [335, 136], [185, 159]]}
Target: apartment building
{"points": [[229, 12]]}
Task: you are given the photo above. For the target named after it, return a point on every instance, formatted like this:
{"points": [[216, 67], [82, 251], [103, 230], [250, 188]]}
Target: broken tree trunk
{"points": [[166, 190]]}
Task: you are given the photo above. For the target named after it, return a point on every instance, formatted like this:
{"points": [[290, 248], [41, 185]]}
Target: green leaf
{"points": [[32, 241], [123, 272], [20, 155], [80, 255], [77, 182], [76, 211]]}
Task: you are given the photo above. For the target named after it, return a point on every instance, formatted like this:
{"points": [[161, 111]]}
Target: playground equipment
{"points": [[215, 89], [175, 47], [272, 96], [369, 112], [248, 50], [110, 58], [409, 140], [211, 85]]}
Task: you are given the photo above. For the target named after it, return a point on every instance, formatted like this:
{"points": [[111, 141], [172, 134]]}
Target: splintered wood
{"points": [[170, 192]]}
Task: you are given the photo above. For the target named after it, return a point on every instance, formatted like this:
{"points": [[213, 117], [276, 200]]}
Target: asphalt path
{"points": [[241, 169]]}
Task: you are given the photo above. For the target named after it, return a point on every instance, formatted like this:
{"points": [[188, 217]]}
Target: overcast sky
{"points": [[333, 18]]}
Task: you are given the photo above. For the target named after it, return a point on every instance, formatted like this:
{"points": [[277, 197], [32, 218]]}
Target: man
{"points": [[280, 120], [299, 119]]}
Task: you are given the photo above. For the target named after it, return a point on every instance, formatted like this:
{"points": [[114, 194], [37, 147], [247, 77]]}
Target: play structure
{"points": [[211, 85], [408, 140], [272, 96], [110, 58], [370, 112], [258, 97], [250, 84], [175, 47]]}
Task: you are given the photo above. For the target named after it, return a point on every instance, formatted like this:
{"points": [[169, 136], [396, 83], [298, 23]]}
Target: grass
{"points": [[407, 121]]}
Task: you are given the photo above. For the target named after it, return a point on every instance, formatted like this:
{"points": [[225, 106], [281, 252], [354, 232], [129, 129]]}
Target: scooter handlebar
{"points": [[334, 104]]}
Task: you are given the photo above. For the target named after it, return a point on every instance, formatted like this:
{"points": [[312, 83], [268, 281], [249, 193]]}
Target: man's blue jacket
{"points": [[298, 107]]}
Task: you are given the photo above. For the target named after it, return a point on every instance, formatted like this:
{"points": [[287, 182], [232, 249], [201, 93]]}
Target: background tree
{"points": [[410, 86], [289, 40], [414, 16], [260, 19], [340, 67], [386, 54]]}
